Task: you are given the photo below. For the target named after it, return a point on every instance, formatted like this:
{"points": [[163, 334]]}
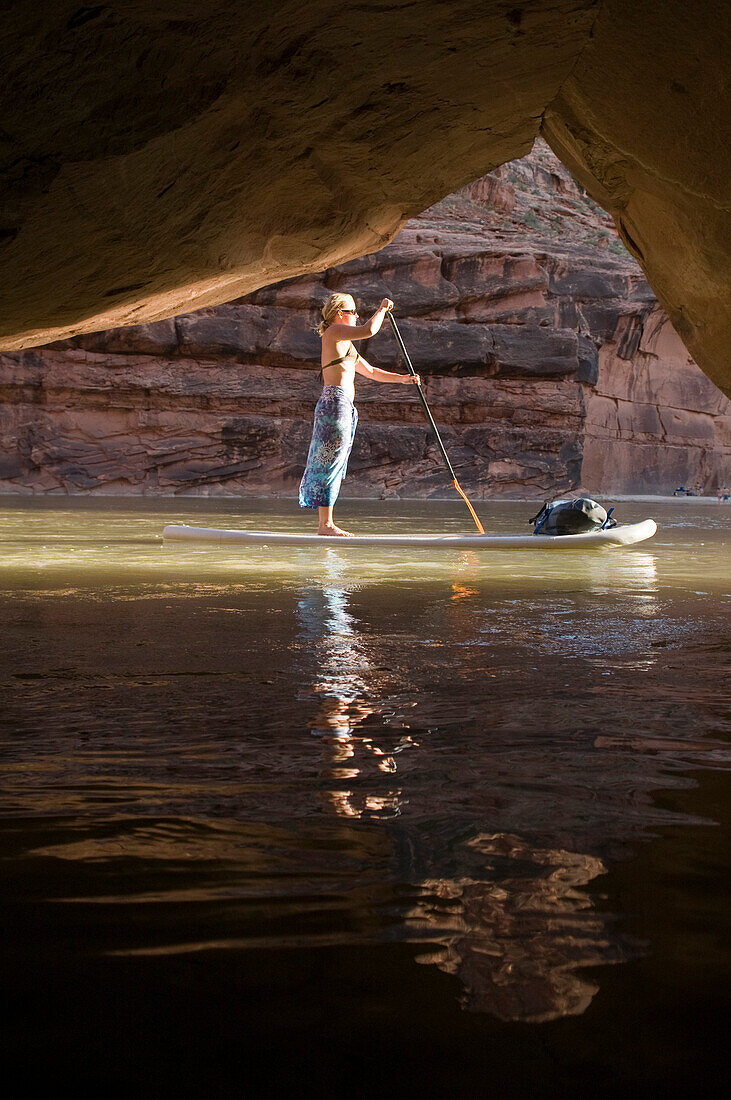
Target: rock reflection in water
{"points": [[517, 935], [517, 941]]}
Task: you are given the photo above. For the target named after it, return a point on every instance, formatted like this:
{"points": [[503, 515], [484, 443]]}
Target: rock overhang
{"points": [[160, 158]]}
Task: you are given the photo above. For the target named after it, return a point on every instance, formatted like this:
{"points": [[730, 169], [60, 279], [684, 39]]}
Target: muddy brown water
{"points": [[309, 818]]}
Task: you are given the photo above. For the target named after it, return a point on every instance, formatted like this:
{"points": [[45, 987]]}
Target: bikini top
{"points": [[341, 359]]}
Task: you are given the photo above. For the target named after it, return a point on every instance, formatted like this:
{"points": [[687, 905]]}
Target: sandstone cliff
{"points": [[547, 362], [154, 158]]}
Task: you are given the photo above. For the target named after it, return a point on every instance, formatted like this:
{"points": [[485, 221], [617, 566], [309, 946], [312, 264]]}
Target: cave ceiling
{"points": [[156, 158]]}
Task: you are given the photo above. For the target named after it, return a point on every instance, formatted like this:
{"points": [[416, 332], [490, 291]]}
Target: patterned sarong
{"points": [[336, 419]]}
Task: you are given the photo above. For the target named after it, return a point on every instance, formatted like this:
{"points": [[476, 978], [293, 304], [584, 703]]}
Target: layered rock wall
{"points": [[546, 359], [658, 425]]}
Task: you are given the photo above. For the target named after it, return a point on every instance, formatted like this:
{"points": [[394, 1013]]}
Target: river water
{"points": [[293, 818]]}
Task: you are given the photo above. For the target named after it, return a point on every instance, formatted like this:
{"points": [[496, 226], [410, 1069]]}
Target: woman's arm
{"points": [[363, 332], [376, 320], [378, 375]]}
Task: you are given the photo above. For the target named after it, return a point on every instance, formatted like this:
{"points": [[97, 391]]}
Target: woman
{"points": [[335, 414]]}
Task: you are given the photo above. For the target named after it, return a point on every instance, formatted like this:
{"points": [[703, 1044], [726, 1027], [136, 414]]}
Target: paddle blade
{"points": [[473, 513]]}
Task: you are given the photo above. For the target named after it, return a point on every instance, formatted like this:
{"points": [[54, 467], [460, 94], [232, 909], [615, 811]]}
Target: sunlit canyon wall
{"points": [[547, 361]]}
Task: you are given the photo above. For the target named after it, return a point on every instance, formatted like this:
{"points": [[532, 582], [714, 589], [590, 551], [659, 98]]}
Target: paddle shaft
{"points": [[430, 418], [427, 410]]}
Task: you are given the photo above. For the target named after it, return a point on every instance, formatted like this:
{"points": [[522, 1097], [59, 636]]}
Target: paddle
{"points": [[427, 410]]}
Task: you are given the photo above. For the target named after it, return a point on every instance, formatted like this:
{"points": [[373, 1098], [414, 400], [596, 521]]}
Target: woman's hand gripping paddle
{"points": [[427, 410]]}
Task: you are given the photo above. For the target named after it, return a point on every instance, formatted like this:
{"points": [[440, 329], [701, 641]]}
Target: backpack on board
{"points": [[572, 517]]}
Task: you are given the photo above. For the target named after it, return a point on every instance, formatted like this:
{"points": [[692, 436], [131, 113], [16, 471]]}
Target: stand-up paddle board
{"points": [[622, 535]]}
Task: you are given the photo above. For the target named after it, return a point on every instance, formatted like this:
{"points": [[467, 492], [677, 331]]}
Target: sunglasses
{"points": [[353, 311]]}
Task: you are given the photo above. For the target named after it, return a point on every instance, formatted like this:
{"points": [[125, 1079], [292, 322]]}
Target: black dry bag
{"points": [[571, 517]]}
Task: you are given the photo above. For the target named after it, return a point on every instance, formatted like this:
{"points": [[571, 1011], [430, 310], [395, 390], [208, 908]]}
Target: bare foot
{"points": [[331, 529]]}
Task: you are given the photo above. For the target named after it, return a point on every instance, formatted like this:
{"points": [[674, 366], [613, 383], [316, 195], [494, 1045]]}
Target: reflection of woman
{"points": [[345, 685], [335, 415]]}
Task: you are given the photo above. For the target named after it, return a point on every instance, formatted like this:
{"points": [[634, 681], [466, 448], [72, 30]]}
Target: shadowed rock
{"points": [[155, 160]]}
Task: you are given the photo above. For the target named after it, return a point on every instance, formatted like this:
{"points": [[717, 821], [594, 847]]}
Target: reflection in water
{"points": [[514, 926], [517, 940], [345, 685], [211, 750]]}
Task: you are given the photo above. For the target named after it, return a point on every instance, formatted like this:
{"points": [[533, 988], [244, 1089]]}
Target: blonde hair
{"points": [[331, 307]]}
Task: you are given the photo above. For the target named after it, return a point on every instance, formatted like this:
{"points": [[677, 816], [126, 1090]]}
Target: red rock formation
{"points": [[547, 361]]}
